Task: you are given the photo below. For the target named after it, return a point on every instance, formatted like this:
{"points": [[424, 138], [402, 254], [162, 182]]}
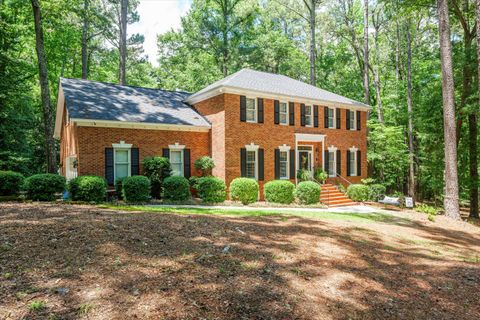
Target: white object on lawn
{"points": [[390, 200]]}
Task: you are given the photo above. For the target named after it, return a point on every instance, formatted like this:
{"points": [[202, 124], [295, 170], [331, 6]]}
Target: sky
{"points": [[157, 17]]}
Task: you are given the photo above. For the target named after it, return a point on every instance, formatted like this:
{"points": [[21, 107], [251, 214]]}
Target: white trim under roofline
{"points": [[193, 99], [309, 137], [138, 125]]}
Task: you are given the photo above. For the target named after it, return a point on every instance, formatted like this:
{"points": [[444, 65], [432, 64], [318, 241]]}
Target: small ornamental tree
{"points": [[156, 169], [205, 165]]}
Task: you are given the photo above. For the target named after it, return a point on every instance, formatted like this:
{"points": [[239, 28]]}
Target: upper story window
{"points": [[352, 120], [283, 113], [331, 118], [251, 110], [308, 116]]}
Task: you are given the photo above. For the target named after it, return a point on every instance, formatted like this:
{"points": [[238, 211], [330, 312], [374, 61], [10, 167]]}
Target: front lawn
{"points": [[61, 261]]}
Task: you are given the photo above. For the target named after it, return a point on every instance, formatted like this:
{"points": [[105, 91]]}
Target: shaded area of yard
{"points": [[82, 261]]}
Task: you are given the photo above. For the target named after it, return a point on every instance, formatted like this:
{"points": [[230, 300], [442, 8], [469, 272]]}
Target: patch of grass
{"points": [[37, 305], [84, 309], [471, 259], [7, 276]]}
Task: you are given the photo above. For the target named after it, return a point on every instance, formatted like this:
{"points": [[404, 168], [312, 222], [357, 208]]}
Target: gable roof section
{"points": [[90, 100], [272, 84]]}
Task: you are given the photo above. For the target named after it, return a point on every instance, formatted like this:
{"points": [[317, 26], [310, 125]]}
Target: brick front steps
{"points": [[331, 196]]}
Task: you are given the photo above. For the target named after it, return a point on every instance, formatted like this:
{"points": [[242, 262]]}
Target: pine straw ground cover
{"points": [[73, 261]]}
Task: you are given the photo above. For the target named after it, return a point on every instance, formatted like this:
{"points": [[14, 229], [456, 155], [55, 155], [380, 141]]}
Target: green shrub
{"points": [[156, 169], [87, 188], [303, 175], [176, 188], [375, 191], [136, 189], [308, 192], [425, 208], [193, 180], [279, 191], [10, 183], [205, 165], [119, 188], [44, 186], [211, 189], [244, 190], [320, 175], [358, 192]]}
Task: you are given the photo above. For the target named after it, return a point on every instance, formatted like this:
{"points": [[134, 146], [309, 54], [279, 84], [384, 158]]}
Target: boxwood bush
{"points": [[136, 189], [176, 188], [44, 186], [244, 190], [375, 191], [279, 191], [358, 192], [10, 183], [211, 189], [308, 192], [119, 188], [87, 188]]}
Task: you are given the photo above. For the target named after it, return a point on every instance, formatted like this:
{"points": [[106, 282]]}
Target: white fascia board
{"points": [[309, 137], [138, 125]]}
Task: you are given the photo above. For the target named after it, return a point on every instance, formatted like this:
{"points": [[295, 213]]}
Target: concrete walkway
{"points": [[349, 209]]}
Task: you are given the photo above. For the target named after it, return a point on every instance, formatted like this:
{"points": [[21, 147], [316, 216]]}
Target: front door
{"points": [[305, 159]]}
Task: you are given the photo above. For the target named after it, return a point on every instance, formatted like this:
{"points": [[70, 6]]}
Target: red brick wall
{"points": [[92, 142]]}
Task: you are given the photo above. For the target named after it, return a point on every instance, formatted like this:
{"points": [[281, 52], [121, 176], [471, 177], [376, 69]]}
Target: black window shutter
{"points": [[260, 110], [348, 163], [276, 106], [243, 162], [186, 163], [359, 163], [348, 120], [292, 164], [302, 115], [166, 153], [291, 110], [277, 164], [359, 115], [315, 116], [325, 160], [260, 165], [135, 162], [243, 108], [338, 117], [339, 162], [326, 116], [109, 175]]}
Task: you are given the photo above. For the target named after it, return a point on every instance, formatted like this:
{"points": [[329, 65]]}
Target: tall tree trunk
{"points": [[366, 82], [451, 175], [473, 134], [411, 150], [397, 53], [123, 41], [312, 19], [50, 148], [85, 40], [376, 82]]}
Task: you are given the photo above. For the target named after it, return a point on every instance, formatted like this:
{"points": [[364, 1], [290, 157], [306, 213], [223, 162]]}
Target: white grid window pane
{"points": [[176, 162], [331, 163], [330, 118], [308, 115], [352, 119], [121, 171], [250, 167], [284, 165], [122, 163], [283, 113], [353, 163], [121, 156], [251, 110]]}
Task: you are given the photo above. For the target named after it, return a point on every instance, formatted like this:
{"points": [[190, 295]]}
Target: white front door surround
{"points": [[304, 138]]}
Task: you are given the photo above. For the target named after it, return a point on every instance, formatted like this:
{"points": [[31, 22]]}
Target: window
{"points": [[251, 110], [332, 170], [283, 164], [308, 116], [121, 163], [283, 113], [251, 164], [331, 118], [353, 163], [353, 122], [176, 162]]}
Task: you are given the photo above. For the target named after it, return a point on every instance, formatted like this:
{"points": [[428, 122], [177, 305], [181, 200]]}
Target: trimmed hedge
{"points": [[176, 188], [244, 190], [279, 191], [211, 189], [88, 188], [44, 186], [10, 183], [136, 189], [308, 192], [119, 188], [358, 192], [375, 191]]}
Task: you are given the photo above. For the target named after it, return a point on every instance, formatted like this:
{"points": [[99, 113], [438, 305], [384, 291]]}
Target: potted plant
{"points": [[320, 175]]}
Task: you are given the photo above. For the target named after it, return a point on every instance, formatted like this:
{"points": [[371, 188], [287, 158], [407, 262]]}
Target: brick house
{"points": [[253, 124]]}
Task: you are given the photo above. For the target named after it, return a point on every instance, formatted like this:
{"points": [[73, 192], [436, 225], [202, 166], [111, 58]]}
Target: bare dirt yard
{"points": [[62, 261]]}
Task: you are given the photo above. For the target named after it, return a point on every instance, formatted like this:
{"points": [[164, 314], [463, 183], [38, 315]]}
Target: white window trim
{"points": [[354, 127], [285, 148], [334, 122], [122, 146], [286, 113], [354, 151], [311, 116], [334, 150], [255, 101], [181, 148]]}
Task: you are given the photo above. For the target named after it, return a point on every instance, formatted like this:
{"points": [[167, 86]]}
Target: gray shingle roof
{"points": [[104, 101], [276, 84]]}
